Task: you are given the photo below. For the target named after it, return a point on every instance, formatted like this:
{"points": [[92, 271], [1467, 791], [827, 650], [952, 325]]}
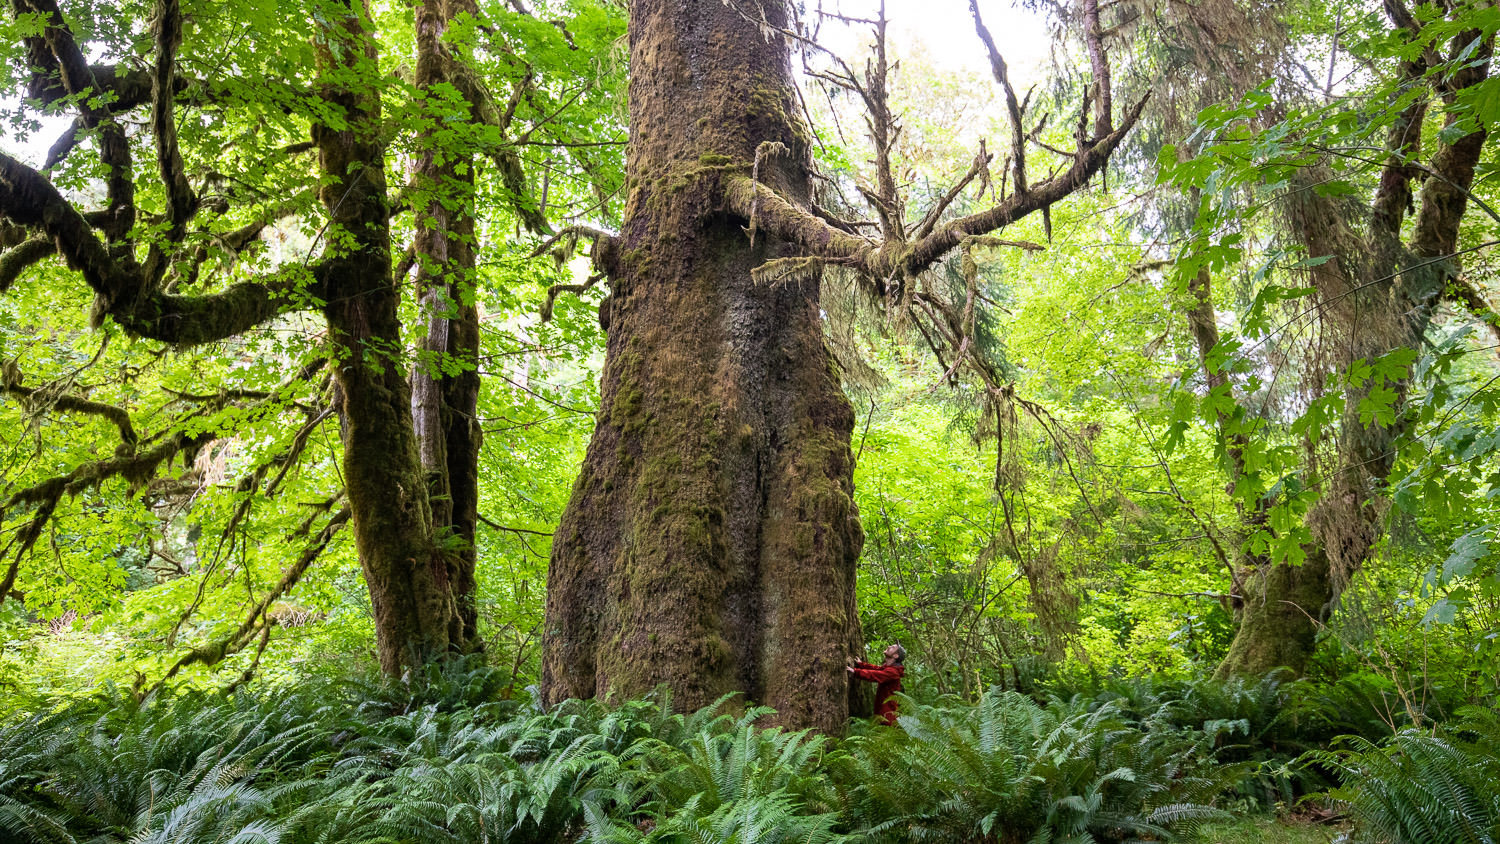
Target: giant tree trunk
{"points": [[711, 539], [411, 590]]}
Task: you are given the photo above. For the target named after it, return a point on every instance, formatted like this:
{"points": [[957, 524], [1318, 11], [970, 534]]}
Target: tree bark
{"points": [[1380, 294], [445, 380], [711, 539], [411, 590]]}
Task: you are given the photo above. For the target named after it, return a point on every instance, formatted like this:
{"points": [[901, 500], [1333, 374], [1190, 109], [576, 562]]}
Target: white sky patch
{"points": [[947, 31]]}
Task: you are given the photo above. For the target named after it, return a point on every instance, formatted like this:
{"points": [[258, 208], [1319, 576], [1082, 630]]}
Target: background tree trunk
{"points": [[711, 539], [411, 590], [445, 380], [1380, 293]]}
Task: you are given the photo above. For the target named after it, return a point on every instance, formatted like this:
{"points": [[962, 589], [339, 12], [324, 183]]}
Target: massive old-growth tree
{"points": [[711, 539], [260, 126]]}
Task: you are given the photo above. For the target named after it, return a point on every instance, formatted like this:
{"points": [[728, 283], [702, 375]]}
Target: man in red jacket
{"points": [[888, 675]]}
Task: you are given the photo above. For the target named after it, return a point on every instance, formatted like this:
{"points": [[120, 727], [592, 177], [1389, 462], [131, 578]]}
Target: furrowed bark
{"points": [[711, 538]]}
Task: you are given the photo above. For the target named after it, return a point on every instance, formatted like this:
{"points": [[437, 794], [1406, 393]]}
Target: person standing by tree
{"points": [[888, 675]]}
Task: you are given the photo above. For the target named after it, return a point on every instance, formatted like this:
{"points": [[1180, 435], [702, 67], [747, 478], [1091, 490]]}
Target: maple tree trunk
{"points": [[711, 539], [445, 380], [411, 590]]}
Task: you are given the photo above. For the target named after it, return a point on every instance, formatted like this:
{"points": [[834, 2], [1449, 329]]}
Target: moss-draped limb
{"points": [[1086, 164], [119, 284], [58, 51], [255, 622], [44, 496], [181, 202], [1468, 296], [42, 399], [23, 255], [773, 213]]}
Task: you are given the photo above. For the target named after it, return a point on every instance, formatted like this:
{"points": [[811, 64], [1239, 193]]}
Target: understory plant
{"points": [[440, 759], [1437, 786]]}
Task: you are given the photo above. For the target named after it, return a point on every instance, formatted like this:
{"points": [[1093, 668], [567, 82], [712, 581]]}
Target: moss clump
{"points": [[627, 412]]}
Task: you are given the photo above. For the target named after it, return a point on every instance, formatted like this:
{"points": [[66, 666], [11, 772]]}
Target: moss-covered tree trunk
{"points": [[411, 590], [1281, 607], [711, 539], [1379, 292], [445, 380]]}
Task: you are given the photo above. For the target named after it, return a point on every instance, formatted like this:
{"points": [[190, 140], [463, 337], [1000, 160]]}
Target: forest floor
{"points": [[1268, 829]]}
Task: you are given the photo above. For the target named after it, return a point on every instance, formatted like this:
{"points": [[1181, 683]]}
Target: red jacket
{"points": [[889, 678]]}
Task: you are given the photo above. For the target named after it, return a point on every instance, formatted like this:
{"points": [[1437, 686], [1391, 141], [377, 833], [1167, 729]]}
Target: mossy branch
{"points": [[788, 271], [41, 399], [214, 652], [45, 496], [1463, 292], [135, 468], [57, 53], [576, 289], [605, 257], [18, 259], [774, 214], [182, 203], [119, 284]]}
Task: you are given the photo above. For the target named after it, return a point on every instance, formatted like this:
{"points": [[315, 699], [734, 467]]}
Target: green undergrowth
{"points": [[1266, 829], [444, 760]]}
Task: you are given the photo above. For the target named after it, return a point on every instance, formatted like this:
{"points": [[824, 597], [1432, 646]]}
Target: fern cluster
{"points": [[441, 760], [1424, 787], [1011, 770]]}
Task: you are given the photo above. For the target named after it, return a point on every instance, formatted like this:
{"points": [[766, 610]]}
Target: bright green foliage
{"points": [[350, 762], [1439, 787]]}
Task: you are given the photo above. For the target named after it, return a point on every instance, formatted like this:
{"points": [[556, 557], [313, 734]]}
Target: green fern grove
{"points": [[446, 761], [349, 763]]}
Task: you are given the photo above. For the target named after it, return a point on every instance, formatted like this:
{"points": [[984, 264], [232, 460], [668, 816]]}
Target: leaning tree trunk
{"points": [[411, 592], [711, 539], [1380, 294], [445, 380]]}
